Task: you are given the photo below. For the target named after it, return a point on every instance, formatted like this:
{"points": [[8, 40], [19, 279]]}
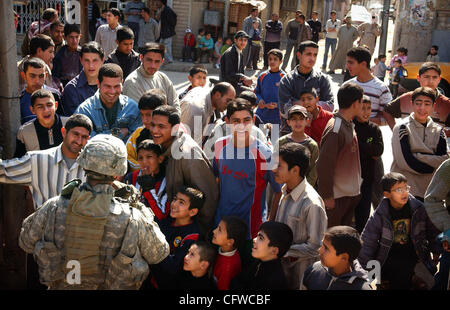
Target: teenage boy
{"points": [[124, 55], [319, 116], [273, 36], [358, 64], [84, 85], [198, 264], [297, 120], [419, 145], [232, 64], [429, 76], [406, 233], [267, 89], [66, 64], [304, 76], [57, 34], [181, 231], [201, 106], [34, 75], [300, 203], [331, 29], [338, 268], [43, 132], [370, 143], [147, 104], [109, 110], [150, 179], [106, 34], [271, 243], [316, 26], [197, 77], [338, 167], [148, 76], [241, 165], [186, 162], [229, 235]]}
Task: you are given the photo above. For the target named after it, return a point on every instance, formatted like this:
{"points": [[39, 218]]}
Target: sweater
{"points": [[267, 90], [260, 275], [227, 267], [319, 277], [417, 151], [139, 82], [318, 124], [338, 165], [128, 63]]}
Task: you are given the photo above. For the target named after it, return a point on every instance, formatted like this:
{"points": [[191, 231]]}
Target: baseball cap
{"points": [[297, 109], [241, 33]]}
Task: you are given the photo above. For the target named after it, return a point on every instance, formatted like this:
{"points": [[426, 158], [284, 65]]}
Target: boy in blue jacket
{"points": [[400, 236], [267, 89]]}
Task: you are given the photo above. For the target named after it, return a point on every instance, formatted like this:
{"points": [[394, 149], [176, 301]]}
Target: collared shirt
{"points": [[66, 64], [44, 171], [106, 37], [77, 91], [128, 115], [303, 210]]}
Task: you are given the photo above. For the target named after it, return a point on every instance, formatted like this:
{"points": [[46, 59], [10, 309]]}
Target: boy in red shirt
{"points": [[188, 46], [319, 117], [228, 235]]}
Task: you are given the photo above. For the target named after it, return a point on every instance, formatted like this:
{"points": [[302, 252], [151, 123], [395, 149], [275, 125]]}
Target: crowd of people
{"points": [[231, 185]]}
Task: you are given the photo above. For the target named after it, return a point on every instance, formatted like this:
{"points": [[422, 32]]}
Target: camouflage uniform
{"points": [[129, 239]]}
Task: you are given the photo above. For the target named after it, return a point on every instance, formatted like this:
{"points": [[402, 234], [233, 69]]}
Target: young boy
{"points": [[338, 268], [298, 119], [319, 117], [147, 104], [271, 243], [300, 203], [217, 47], [188, 46], [370, 143], [206, 46], [227, 44], [397, 74], [197, 268], [267, 89], [150, 179], [44, 131], [241, 165], [200, 36], [399, 235], [419, 144], [254, 45], [228, 235], [197, 76], [124, 55], [181, 231], [338, 167], [380, 68]]}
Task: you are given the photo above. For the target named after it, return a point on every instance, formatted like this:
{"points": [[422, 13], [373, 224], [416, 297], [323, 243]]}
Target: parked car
{"points": [[409, 82]]}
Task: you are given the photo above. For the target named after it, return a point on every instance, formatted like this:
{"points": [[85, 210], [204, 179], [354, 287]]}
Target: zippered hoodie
{"points": [[319, 277], [378, 235]]}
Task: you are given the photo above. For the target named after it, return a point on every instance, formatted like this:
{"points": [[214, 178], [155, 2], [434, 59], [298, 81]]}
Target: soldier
{"points": [[86, 238]]}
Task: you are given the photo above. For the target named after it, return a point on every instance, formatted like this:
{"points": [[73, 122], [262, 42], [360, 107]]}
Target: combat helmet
{"points": [[104, 155]]}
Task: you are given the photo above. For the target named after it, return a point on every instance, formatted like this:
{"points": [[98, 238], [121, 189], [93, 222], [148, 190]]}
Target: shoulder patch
{"points": [[337, 124]]}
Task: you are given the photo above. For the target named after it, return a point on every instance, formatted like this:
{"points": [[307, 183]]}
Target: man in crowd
{"points": [[247, 26], [42, 26], [66, 64], [57, 34], [291, 32], [302, 77], [133, 13], [106, 34], [148, 29], [347, 34], [109, 111], [331, 29], [273, 37], [148, 76], [316, 26], [84, 85], [168, 20]]}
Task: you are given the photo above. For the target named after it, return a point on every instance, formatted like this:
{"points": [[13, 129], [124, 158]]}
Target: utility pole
{"points": [[384, 27]]}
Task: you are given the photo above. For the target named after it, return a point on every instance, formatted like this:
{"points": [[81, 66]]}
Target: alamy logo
{"points": [[74, 275], [72, 11], [375, 272]]}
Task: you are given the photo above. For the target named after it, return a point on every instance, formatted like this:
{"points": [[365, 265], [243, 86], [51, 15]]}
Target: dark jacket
{"points": [[261, 276], [168, 22], [128, 63], [229, 70], [378, 235], [370, 144], [319, 277]]}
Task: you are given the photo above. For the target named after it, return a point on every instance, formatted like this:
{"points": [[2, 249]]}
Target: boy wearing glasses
{"points": [[401, 237], [418, 143]]}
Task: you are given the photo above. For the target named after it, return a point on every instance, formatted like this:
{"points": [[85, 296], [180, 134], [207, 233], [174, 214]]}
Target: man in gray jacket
{"points": [[247, 26], [302, 77]]}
